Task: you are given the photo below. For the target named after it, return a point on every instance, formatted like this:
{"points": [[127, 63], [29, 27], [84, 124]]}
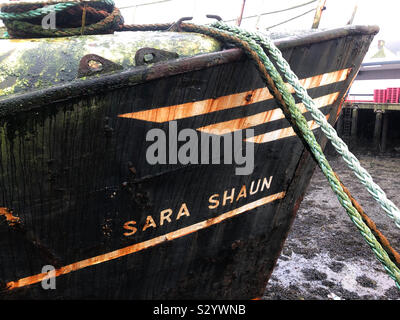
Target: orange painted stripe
{"points": [[191, 109], [146, 244], [281, 133], [263, 117]]}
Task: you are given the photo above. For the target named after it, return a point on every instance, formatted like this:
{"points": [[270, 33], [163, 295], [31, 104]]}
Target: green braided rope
{"points": [[315, 148], [113, 22], [365, 178], [40, 12]]}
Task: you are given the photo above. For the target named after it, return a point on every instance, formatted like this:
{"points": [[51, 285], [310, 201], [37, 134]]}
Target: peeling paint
{"points": [[10, 218]]}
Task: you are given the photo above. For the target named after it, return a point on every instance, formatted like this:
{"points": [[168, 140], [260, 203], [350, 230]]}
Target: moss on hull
{"points": [[31, 64]]}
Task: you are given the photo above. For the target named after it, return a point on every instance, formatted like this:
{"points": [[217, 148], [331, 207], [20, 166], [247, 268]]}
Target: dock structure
{"points": [[383, 103], [382, 112]]}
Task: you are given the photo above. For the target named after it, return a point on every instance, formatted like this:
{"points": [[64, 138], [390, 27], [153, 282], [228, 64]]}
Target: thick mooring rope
{"points": [[285, 99], [393, 254], [36, 13], [24, 20], [365, 178]]}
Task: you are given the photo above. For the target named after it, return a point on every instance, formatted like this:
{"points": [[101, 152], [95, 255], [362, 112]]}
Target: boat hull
{"points": [[78, 193]]}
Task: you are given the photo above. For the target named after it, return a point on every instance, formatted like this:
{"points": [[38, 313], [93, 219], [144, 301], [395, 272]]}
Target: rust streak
{"points": [[146, 244], [191, 109], [263, 117]]}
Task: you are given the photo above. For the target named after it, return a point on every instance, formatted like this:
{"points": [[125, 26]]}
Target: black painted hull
{"points": [[74, 176]]}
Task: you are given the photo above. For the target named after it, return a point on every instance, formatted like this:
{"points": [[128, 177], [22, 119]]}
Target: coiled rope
{"points": [[24, 20]]}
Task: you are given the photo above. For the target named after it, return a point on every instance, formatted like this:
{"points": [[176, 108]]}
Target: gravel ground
{"points": [[325, 257]]}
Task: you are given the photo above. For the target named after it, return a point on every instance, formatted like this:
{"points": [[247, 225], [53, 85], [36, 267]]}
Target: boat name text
{"points": [[227, 197]]}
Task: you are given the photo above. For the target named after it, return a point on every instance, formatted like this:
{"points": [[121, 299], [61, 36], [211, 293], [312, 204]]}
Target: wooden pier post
{"points": [[378, 128], [354, 122], [384, 131], [339, 124]]}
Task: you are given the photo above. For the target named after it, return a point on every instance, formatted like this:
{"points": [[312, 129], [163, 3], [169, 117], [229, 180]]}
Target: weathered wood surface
{"points": [[74, 174]]}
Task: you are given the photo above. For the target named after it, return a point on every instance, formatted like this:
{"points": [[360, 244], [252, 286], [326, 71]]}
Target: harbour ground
{"points": [[325, 257]]}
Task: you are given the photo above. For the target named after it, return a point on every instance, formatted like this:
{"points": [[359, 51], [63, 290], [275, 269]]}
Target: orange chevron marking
{"points": [[191, 109], [263, 117], [281, 133]]}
